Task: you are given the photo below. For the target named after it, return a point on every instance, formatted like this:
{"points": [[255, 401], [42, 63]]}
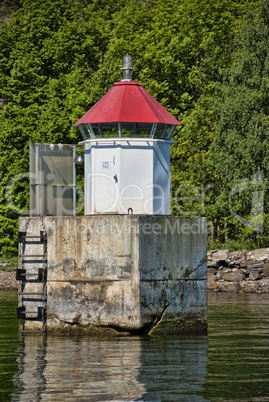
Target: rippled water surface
{"points": [[231, 362]]}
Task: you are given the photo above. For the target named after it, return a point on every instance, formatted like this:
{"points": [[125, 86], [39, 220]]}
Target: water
{"points": [[8, 342], [230, 363]]}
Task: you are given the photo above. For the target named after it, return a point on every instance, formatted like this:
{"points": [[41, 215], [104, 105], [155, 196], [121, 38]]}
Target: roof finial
{"points": [[127, 68]]}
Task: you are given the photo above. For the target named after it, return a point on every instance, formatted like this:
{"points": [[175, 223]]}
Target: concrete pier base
{"points": [[123, 273]]}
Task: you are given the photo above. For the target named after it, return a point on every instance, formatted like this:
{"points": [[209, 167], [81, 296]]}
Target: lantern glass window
{"points": [[127, 130]]}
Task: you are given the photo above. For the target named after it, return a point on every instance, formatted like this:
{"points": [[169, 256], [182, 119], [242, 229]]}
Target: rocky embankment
{"points": [[7, 277], [238, 271], [227, 271], [8, 280]]}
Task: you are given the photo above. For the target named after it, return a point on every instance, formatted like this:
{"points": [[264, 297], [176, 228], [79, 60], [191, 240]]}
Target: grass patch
{"points": [[232, 245], [8, 264]]}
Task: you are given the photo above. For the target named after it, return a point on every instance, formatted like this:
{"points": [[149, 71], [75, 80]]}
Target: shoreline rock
{"points": [[8, 279], [227, 271], [236, 271]]}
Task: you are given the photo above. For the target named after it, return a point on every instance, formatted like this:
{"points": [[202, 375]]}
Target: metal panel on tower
{"points": [[52, 179]]}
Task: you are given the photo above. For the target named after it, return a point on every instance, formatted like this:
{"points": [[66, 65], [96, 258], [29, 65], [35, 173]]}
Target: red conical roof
{"points": [[127, 101]]}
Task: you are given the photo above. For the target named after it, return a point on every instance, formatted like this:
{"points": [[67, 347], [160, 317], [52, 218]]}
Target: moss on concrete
{"points": [[177, 327]]}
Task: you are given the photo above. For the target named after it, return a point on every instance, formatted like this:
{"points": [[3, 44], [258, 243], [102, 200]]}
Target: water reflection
{"points": [[91, 369], [8, 342], [232, 363], [238, 351]]}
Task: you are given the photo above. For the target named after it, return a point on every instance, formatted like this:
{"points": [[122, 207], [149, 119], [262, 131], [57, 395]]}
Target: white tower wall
{"points": [[127, 175]]}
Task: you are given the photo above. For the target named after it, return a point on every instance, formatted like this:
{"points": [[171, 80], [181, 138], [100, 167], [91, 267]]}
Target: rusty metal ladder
{"points": [[37, 277]]}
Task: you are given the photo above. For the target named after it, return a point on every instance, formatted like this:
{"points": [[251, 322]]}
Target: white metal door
{"points": [[105, 179]]}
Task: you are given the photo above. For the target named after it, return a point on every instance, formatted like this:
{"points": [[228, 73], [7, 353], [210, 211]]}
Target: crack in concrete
{"points": [[201, 262], [158, 319]]}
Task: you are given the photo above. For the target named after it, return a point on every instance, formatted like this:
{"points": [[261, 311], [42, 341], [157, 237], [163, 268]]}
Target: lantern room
{"points": [[127, 151]]}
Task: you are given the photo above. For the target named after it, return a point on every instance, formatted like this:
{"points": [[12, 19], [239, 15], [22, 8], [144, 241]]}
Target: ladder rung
{"points": [[30, 237], [40, 313], [32, 255], [31, 294], [34, 262], [31, 330], [22, 275], [23, 235], [30, 312]]}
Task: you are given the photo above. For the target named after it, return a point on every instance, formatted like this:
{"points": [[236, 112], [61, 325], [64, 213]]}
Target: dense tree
{"points": [[49, 52], [58, 58], [240, 151], [178, 49]]}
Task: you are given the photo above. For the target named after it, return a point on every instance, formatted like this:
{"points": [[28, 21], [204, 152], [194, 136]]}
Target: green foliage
{"points": [[58, 58], [48, 54], [12, 263], [240, 150], [233, 245]]}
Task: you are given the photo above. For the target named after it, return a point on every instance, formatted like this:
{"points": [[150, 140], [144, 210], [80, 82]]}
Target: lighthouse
{"points": [[127, 151], [126, 265]]}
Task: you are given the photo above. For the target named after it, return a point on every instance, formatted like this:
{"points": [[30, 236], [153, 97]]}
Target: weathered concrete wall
{"points": [[124, 271], [173, 266]]}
